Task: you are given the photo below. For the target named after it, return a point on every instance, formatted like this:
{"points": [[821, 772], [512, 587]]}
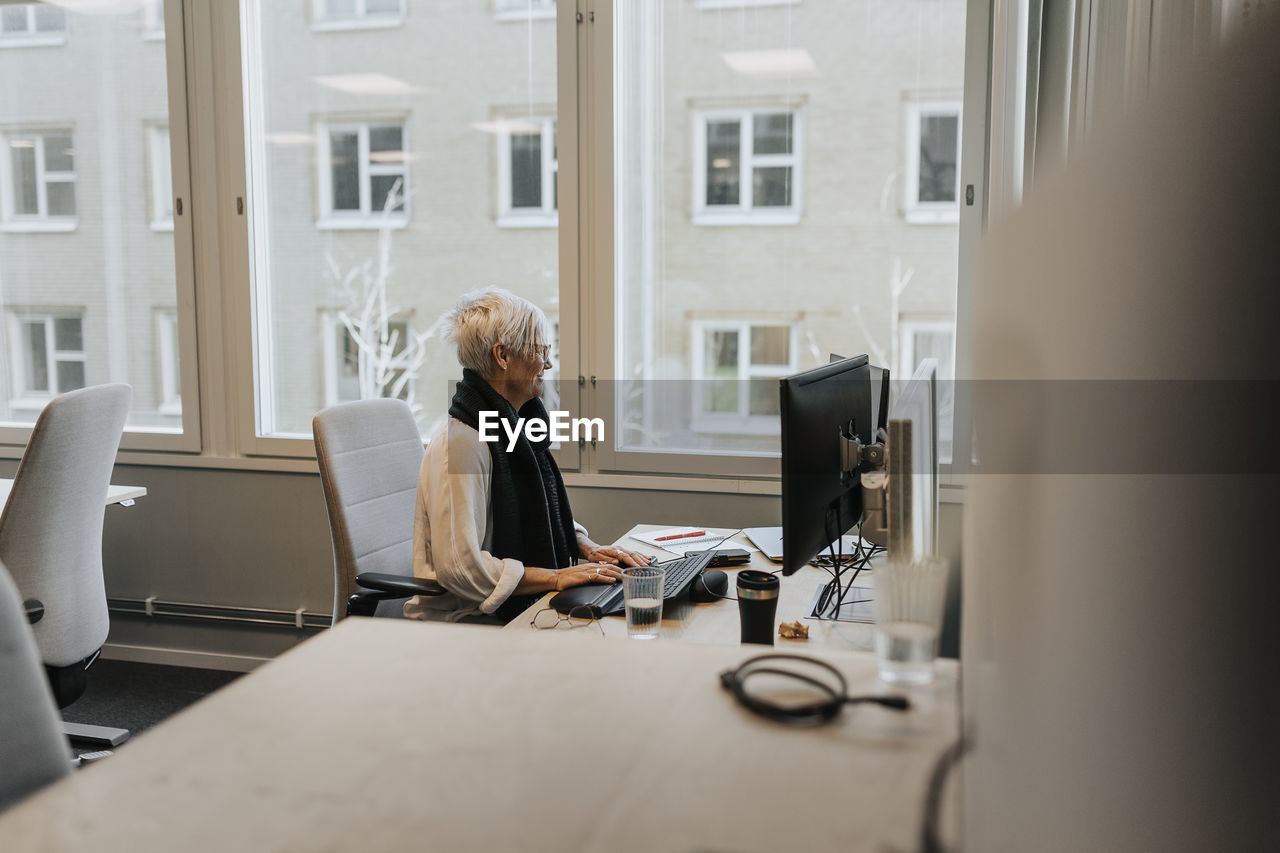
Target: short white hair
{"points": [[491, 316]]}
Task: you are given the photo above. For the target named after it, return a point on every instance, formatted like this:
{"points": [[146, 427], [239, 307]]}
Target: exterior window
{"points": [[47, 353], [933, 150], [523, 10], [32, 24], [357, 14], [747, 168], [153, 20], [352, 367], [40, 181], [527, 194], [161, 179], [364, 175], [740, 4], [170, 375], [736, 366], [936, 339]]}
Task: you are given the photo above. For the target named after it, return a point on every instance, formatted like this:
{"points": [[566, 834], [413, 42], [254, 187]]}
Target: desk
{"points": [[717, 622], [115, 494], [381, 734]]}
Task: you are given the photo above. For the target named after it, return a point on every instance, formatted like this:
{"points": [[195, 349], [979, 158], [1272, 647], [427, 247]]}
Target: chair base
{"points": [[94, 735]]}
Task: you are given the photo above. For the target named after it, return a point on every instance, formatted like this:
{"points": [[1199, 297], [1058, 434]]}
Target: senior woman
{"points": [[493, 525]]}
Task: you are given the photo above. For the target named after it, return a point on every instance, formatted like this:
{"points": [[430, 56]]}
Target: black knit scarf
{"points": [[532, 521]]}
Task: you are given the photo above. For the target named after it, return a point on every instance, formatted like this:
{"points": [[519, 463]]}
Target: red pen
{"points": [[680, 536]]}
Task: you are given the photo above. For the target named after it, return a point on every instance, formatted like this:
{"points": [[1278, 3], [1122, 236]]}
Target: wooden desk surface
{"points": [[717, 622], [391, 735]]}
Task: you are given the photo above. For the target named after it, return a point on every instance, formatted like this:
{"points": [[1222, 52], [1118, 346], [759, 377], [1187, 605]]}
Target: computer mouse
{"points": [[711, 585]]}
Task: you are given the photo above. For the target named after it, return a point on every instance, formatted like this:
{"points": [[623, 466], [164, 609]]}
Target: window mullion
{"points": [[746, 148], [363, 175], [42, 192]]}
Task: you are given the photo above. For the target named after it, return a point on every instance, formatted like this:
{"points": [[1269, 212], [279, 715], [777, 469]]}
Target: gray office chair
{"points": [[33, 751], [369, 454], [51, 537]]}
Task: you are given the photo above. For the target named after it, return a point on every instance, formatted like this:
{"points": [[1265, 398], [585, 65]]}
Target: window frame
{"points": [[42, 220], [168, 350], [742, 422], [919, 212], [160, 169], [22, 397], [32, 37], [746, 212], [366, 218], [361, 19], [547, 215], [331, 324]]}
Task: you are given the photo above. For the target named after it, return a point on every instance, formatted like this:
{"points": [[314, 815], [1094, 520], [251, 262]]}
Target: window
{"points": [[48, 356], [747, 168], [32, 25], [737, 366], [936, 339], [170, 395], [153, 20], [161, 179], [523, 10], [357, 14], [372, 365], [739, 4], [933, 152], [527, 192], [40, 181], [364, 175]]}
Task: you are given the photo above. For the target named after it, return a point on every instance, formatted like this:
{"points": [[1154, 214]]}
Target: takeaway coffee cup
{"points": [[757, 605]]}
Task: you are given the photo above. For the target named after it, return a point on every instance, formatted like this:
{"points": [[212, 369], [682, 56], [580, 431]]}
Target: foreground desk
{"points": [[717, 622], [388, 735], [115, 494]]}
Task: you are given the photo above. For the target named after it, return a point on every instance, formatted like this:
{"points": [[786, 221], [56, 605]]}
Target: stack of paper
{"points": [[680, 540]]}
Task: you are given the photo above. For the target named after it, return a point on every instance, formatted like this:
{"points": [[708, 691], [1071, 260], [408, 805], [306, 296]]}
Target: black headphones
{"points": [[829, 683]]}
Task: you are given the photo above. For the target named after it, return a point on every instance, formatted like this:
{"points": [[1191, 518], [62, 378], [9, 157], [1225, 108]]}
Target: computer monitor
{"points": [[879, 391], [820, 498]]}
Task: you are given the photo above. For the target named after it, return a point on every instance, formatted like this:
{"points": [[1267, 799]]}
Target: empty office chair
{"points": [[33, 751], [369, 454], [51, 536]]}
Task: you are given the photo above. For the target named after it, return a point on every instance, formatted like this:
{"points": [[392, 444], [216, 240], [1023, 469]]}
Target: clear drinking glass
{"points": [[642, 592], [908, 604]]}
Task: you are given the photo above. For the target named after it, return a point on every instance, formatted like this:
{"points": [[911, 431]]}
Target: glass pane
{"points": [[767, 73], [66, 334], [526, 170], [339, 8], [70, 376], [344, 152], [722, 354], [939, 140], [381, 7], [386, 192], [764, 397], [771, 186], [770, 345], [724, 156], [26, 201], [89, 106], [348, 365], [61, 196], [36, 356], [772, 133], [58, 155], [50, 18], [13, 19], [434, 108]]}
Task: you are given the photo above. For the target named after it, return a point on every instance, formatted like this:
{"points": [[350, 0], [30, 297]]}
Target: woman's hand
{"points": [[615, 555], [587, 573]]}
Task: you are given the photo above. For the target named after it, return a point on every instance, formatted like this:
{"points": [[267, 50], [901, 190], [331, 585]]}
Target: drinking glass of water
{"points": [[642, 592], [908, 605]]}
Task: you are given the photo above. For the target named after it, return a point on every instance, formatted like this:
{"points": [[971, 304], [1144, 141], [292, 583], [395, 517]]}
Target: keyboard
{"points": [[606, 599]]}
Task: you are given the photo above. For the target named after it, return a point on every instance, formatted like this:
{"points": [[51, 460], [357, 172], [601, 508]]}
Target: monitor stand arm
{"points": [[875, 526]]}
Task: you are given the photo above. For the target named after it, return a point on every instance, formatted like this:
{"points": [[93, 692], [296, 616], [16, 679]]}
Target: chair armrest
{"points": [[404, 585]]}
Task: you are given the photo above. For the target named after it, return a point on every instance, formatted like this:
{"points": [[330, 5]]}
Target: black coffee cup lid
{"points": [[755, 579]]}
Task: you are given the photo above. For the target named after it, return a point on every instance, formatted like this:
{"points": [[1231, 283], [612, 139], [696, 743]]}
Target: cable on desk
{"points": [[832, 689]]}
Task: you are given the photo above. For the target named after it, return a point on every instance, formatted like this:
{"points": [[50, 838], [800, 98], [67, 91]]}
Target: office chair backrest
{"points": [[369, 453], [51, 529], [33, 751]]}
